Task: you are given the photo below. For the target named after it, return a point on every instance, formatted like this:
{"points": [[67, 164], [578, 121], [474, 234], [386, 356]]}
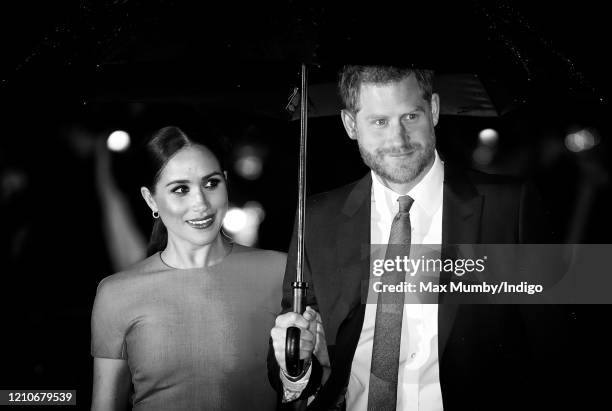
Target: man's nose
{"points": [[399, 133]]}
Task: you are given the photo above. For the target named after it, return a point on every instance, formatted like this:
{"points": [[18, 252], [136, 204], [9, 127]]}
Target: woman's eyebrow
{"points": [[177, 182], [214, 173]]}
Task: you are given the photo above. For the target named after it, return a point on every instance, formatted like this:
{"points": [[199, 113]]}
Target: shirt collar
{"points": [[427, 194]]}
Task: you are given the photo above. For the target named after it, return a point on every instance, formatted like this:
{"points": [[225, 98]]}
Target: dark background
{"points": [[140, 65]]}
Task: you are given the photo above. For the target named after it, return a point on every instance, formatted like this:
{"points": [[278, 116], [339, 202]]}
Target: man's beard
{"points": [[406, 171]]}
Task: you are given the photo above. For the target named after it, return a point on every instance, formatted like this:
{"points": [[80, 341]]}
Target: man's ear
{"points": [[435, 108], [148, 198], [350, 125]]}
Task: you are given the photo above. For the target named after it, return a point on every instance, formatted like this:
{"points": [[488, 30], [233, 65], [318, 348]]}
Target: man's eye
{"points": [[212, 183], [380, 122], [180, 190], [412, 116]]}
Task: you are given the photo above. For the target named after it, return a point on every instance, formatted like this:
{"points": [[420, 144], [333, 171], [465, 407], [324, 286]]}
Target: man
{"points": [[450, 357]]}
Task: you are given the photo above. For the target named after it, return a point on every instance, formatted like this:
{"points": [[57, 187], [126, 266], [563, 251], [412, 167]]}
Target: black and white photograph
{"points": [[305, 205]]}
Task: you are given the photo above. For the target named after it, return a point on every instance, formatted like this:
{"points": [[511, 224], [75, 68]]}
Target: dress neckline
{"points": [[161, 260]]}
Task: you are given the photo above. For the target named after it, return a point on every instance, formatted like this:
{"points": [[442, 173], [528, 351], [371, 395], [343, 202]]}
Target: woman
{"points": [[187, 327]]}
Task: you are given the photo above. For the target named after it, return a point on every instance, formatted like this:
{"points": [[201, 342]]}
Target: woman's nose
{"points": [[201, 202]]}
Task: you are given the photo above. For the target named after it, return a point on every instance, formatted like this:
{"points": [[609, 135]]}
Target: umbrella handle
{"points": [[292, 342], [292, 352]]}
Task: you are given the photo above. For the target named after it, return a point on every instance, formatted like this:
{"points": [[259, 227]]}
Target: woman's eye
{"points": [[212, 183], [180, 190]]}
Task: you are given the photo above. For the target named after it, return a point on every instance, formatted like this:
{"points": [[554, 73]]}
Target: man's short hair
{"points": [[352, 77]]}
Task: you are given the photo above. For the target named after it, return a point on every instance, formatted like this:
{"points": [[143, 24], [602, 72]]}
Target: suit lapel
{"points": [[462, 209], [461, 213], [354, 230], [352, 263]]}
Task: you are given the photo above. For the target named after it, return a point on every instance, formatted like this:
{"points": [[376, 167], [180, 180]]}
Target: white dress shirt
{"points": [[419, 372]]}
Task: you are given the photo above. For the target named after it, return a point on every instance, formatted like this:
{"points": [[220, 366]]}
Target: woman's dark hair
{"points": [[158, 150]]}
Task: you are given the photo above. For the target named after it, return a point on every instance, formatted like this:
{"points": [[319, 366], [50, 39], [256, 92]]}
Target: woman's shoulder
{"points": [[252, 252], [124, 279], [258, 256], [261, 269]]}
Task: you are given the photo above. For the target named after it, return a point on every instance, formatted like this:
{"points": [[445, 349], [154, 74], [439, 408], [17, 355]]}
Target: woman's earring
{"points": [[155, 214], [224, 234]]}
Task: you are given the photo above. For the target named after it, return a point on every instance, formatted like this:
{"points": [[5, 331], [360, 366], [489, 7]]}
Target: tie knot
{"points": [[405, 202]]}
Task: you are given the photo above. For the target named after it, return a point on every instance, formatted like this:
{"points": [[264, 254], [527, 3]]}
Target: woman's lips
{"points": [[202, 223]]}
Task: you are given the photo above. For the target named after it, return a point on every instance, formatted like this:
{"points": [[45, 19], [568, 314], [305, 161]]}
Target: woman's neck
{"points": [[184, 257]]}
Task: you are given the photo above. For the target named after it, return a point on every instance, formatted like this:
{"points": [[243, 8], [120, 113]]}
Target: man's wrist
{"points": [[293, 387], [306, 366]]}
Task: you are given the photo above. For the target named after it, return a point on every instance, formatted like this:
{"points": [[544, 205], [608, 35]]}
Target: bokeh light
{"points": [[249, 167], [483, 155], [235, 220], [118, 140], [249, 163], [488, 137], [243, 222], [580, 141]]}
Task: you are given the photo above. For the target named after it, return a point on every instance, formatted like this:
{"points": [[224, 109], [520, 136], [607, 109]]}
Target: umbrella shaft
{"points": [[302, 175]]}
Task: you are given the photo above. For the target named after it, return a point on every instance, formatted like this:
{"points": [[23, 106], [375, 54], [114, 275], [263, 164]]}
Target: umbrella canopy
{"points": [[460, 95], [164, 50]]}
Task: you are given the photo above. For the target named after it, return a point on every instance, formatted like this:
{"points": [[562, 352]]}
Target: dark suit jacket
{"points": [[484, 361]]}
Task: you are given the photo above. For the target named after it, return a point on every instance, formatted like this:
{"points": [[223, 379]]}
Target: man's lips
{"points": [[203, 222], [402, 154]]}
